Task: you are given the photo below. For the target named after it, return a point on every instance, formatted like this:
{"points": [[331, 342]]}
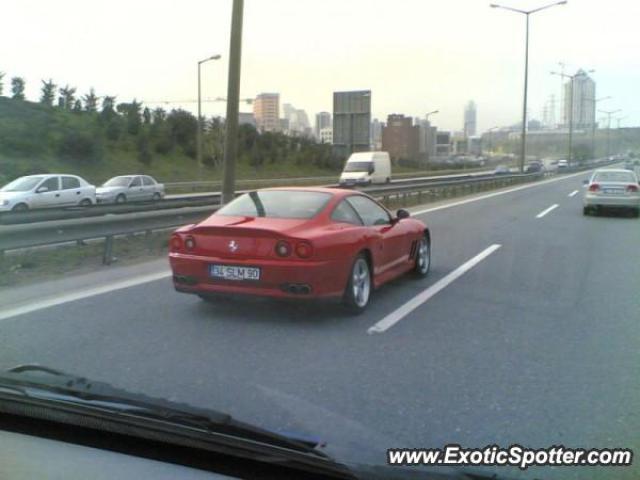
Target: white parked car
{"points": [[612, 188], [563, 164], [130, 188], [46, 191]]}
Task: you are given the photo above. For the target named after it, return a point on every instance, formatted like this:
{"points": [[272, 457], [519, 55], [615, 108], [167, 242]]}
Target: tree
{"points": [[91, 101], [108, 104], [131, 111], [48, 94], [158, 115], [144, 149], [17, 88], [68, 97], [77, 106], [146, 115], [1, 82]]}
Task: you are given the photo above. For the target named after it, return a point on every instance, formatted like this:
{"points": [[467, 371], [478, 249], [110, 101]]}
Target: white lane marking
{"points": [[394, 317], [547, 210], [495, 194], [573, 194], [90, 292]]}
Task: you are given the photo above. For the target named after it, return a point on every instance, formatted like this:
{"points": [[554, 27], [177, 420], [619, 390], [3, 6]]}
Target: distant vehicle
{"points": [[130, 188], [502, 170], [629, 165], [46, 191], [563, 164], [534, 167], [365, 168], [283, 242], [612, 188]]}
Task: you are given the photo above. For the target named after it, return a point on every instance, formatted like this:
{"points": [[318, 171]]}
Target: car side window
{"points": [[345, 213], [69, 183], [136, 182], [148, 181], [51, 184], [370, 212]]}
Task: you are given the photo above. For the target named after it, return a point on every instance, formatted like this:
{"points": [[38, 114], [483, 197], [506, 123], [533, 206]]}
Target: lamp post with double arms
{"points": [[527, 14]]}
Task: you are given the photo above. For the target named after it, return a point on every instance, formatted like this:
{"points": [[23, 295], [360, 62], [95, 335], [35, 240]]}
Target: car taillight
{"points": [[632, 188], [283, 249], [304, 249], [190, 243], [175, 243], [594, 187]]}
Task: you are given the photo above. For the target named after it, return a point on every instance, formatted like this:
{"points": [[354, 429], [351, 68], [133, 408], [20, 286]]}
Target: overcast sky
{"points": [[415, 55]]}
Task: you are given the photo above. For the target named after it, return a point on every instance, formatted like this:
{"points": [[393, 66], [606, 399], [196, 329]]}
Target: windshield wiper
{"points": [[43, 386]]}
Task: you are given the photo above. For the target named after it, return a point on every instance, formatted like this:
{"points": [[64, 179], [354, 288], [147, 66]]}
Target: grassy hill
{"points": [[36, 138]]}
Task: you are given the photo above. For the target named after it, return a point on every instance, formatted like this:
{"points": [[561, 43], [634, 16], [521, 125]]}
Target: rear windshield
{"points": [[626, 177], [118, 182], [358, 166], [277, 204]]}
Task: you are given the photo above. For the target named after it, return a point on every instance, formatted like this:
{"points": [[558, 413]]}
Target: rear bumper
{"points": [[622, 201], [278, 279]]}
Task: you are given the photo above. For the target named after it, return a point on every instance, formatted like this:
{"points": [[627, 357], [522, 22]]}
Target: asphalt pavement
{"points": [[535, 343]]}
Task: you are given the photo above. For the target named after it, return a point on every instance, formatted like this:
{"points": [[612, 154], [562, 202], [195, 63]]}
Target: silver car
{"points": [[612, 187], [130, 188], [46, 191]]}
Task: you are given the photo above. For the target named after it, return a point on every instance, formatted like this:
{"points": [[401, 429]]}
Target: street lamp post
{"points": [[593, 125], [199, 130], [609, 113], [490, 131], [527, 13], [571, 79], [427, 115]]}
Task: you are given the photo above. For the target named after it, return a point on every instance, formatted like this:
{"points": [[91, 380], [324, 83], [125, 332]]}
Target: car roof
{"points": [[338, 192], [613, 170]]}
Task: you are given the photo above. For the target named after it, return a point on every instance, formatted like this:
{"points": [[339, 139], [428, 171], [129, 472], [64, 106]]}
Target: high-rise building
{"points": [[584, 105], [351, 122], [470, 119], [376, 134], [266, 110], [323, 120], [401, 138]]}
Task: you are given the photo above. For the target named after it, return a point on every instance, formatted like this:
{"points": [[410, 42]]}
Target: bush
{"points": [[80, 146]]}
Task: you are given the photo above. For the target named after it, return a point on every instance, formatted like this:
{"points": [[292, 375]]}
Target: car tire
{"points": [[85, 202], [122, 198], [423, 257], [21, 207], [359, 286], [156, 197]]}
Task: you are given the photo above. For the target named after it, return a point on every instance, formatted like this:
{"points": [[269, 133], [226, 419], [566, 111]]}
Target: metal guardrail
{"points": [[108, 227]]}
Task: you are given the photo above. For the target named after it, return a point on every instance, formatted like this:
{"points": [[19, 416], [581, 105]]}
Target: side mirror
{"points": [[42, 189], [371, 170], [402, 213]]}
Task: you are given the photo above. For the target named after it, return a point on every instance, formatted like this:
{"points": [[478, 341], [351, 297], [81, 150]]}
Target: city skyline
{"points": [[408, 67]]}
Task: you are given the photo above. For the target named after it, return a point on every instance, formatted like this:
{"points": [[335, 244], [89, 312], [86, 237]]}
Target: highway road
{"points": [[526, 332]]}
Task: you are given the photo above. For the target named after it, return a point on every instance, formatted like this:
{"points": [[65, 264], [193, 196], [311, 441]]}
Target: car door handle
{"points": [[77, 193], [57, 194]]}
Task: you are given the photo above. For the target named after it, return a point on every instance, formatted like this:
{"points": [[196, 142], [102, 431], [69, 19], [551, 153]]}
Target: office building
{"points": [[470, 119], [427, 139], [351, 122], [401, 138], [376, 134], [326, 135], [584, 105], [323, 120], [266, 110]]}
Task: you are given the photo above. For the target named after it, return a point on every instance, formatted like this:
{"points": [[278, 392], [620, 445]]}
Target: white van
{"points": [[365, 168]]}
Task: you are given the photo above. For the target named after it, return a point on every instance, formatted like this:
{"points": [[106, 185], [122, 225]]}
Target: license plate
{"points": [[231, 272], [613, 191]]}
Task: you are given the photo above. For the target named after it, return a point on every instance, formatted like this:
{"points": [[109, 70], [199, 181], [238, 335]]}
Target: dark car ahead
{"points": [[534, 167]]}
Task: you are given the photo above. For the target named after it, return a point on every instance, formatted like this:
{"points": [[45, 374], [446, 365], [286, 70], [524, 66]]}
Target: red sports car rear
{"points": [[298, 243]]}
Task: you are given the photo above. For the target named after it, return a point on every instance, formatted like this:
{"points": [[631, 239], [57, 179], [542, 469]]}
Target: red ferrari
{"points": [[299, 243]]}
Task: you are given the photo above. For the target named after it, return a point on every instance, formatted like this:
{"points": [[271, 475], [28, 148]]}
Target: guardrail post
{"points": [[107, 255]]}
